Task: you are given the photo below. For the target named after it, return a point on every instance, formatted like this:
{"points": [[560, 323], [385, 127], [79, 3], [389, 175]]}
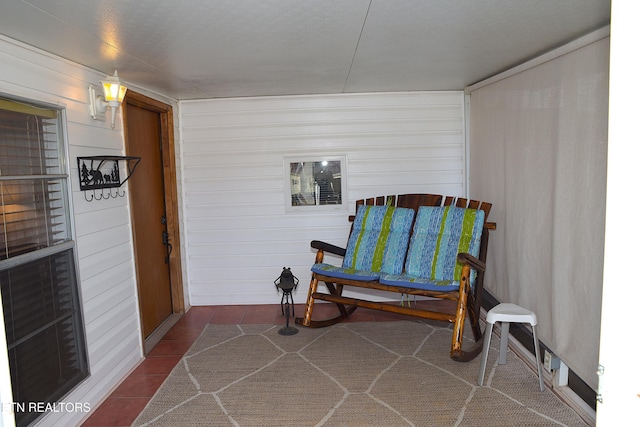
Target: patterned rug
{"points": [[351, 374]]}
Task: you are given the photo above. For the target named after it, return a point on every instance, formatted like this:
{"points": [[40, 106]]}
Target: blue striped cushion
{"points": [[378, 243], [439, 234], [379, 239]]}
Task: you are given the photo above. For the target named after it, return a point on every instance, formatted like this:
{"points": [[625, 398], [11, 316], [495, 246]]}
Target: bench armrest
{"points": [[472, 261], [327, 247]]}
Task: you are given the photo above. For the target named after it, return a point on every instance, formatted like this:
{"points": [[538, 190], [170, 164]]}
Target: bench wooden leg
{"points": [[474, 318], [308, 307], [345, 312], [458, 324], [457, 353]]}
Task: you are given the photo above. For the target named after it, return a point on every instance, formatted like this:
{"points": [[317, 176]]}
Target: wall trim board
{"points": [[545, 57]]}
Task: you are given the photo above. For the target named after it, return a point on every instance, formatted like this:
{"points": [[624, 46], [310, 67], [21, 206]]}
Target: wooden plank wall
{"points": [[237, 233]]}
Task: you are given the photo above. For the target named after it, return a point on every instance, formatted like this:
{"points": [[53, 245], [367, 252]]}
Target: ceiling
{"points": [[189, 49]]}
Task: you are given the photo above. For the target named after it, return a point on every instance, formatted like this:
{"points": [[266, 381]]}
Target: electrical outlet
{"points": [[551, 361], [547, 361]]}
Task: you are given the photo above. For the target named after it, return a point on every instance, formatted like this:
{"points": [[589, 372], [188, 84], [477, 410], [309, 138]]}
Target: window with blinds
{"points": [[45, 336]]}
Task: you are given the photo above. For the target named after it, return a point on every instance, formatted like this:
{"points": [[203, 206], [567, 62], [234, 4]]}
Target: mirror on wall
{"points": [[315, 182]]}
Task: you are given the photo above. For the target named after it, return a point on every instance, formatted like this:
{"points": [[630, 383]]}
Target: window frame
{"points": [[315, 208]]}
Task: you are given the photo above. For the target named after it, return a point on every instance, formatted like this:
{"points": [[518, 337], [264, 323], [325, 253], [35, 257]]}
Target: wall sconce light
{"points": [[114, 92]]}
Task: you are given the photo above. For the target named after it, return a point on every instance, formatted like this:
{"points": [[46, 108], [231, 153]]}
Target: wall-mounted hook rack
{"points": [[103, 175]]}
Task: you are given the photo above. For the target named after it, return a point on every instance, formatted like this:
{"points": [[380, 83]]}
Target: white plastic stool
{"points": [[508, 313]]}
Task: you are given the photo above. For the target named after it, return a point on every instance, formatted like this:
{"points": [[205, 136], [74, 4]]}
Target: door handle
{"points": [[165, 241]]}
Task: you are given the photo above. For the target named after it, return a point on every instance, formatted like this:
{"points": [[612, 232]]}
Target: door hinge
{"points": [[600, 373]]}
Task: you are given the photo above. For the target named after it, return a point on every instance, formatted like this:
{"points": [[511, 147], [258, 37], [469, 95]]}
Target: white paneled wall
{"points": [[237, 233], [102, 228]]}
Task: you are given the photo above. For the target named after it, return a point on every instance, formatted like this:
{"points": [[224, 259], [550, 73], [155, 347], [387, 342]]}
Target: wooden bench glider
{"points": [[426, 245]]}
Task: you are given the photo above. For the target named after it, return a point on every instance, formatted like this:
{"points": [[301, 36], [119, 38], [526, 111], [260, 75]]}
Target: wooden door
{"points": [[154, 226]]}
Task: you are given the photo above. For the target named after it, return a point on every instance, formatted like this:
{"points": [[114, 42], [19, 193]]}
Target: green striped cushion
{"points": [[441, 233], [379, 239]]}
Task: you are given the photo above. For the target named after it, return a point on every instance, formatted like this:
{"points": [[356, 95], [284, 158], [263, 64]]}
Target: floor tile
{"points": [[198, 315], [184, 332], [257, 314], [170, 348], [139, 385], [157, 365], [228, 314]]}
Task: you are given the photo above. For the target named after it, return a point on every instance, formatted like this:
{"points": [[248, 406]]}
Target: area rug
{"points": [[351, 374]]}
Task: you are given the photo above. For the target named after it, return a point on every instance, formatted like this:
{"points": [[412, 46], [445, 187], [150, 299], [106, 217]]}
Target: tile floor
{"points": [[125, 403]]}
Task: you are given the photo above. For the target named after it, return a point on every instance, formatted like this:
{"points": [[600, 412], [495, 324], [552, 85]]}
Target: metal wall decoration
{"points": [[104, 175]]}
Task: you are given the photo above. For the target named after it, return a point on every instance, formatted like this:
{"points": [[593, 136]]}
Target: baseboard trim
{"points": [[155, 337]]}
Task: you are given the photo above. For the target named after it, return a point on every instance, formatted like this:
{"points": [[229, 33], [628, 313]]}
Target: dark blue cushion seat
{"points": [[345, 272], [417, 282]]}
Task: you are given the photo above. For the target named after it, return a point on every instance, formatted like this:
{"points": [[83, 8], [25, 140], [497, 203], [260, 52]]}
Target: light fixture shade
{"points": [[114, 90]]}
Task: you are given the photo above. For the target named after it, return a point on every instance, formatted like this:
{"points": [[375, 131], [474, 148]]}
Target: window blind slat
{"points": [[33, 215]]}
